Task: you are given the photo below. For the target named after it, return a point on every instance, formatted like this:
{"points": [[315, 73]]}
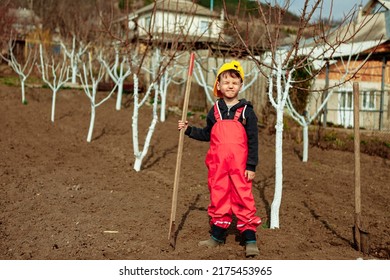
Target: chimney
{"points": [[360, 13], [222, 16]]}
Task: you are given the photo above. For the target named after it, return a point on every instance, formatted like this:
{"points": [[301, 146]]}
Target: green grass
{"points": [[14, 81], [330, 136], [10, 81]]}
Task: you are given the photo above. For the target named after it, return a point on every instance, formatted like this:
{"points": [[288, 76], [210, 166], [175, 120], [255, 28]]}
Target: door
{"points": [[345, 110]]}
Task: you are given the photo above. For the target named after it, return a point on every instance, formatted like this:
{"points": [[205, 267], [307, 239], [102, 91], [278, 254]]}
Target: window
{"points": [[346, 99], [345, 112], [147, 23], [204, 26], [368, 100]]}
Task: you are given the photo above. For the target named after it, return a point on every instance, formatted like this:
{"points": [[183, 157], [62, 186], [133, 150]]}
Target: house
{"points": [[22, 22], [370, 43], [172, 21]]}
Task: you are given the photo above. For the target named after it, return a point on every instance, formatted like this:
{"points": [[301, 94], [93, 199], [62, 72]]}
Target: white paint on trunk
{"points": [[140, 154], [74, 56], [118, 77], [278, 103], [23, 70], [55, 75], [90, 78]]}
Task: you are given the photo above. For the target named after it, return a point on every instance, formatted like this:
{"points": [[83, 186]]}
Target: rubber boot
{"points": [[217, 237], [210, 243], [251, 249]]}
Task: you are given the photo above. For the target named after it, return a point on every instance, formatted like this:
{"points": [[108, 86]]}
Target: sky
{"points": [[340, 7]]}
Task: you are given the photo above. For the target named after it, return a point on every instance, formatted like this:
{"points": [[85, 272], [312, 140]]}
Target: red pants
{"points": [[230, 192]]}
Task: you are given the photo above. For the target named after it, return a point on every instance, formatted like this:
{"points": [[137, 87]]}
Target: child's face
{"points": [[228, 85]]}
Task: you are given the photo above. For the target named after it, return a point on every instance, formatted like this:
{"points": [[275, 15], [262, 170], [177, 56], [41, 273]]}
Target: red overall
{"points": [[230, 192]]}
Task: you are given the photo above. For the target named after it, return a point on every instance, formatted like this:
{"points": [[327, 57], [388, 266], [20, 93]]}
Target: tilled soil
{"points": [[65, 198]]}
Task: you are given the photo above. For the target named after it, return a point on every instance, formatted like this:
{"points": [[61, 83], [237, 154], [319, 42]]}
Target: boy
{"points": [[231, 160]]}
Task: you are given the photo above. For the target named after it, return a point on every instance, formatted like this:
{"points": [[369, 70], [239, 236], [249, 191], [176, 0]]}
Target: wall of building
{"points": [[176, 23]]}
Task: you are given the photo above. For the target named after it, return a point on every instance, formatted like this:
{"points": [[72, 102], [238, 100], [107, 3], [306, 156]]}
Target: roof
{"points": [[24, 16], [372, 25], [374, 5], [320, 54]]}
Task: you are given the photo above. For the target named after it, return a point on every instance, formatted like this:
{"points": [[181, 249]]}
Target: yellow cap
{"points": [[233, 65]]}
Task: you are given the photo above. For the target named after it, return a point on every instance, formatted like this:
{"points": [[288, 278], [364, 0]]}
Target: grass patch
{"points": [[10, 81], [330, 136]]}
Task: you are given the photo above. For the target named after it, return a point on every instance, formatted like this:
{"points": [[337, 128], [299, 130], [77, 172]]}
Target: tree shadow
{"points": [[261, 185], [326, 224], [153, 157], [298, 152], [102, 132]]}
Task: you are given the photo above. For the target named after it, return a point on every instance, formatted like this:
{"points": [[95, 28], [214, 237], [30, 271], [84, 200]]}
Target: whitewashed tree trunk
{"points": [[165, 70], [161, 78], [140, 155], [275, 206], [278, 104], [117, 77], [118, 103], [90, 81], [305, 121], [201, 80], [23, 79], [91, 122], [22, 70], [163, 94], [74, 57], [168, 77], [305, 131], [53, 106], [55, 76]]}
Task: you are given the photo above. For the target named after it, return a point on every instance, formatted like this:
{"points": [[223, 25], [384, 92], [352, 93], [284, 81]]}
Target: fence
{"points": [[256, 93], [374, 110]]}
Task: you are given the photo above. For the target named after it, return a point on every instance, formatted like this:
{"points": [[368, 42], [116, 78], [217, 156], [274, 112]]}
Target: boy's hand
{"points": [[249, 175], [181, 125]]}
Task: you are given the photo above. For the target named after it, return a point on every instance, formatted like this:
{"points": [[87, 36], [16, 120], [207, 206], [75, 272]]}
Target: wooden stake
{"points": [[361, 237], [356, 125], [172, 225]]}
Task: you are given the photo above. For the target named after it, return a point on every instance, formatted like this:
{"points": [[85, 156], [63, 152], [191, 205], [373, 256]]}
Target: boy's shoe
{"points": [[210, 243], [251, 249]]}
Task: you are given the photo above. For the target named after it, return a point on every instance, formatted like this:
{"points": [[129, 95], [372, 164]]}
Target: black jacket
{"points": [[203, 134]]}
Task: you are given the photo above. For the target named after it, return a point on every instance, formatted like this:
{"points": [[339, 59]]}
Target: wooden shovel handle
{"points": [[172, 226]]}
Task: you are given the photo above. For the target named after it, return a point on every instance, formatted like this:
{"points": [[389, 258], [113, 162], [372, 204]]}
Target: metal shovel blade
{"points": [[361, 240]]}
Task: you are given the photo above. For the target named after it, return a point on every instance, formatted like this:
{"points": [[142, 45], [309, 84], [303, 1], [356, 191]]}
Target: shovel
{"points": [[172, 224], [360, 236]]}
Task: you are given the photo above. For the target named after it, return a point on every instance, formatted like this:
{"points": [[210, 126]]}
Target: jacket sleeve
{"points": [[253, 140], [199, 133]]}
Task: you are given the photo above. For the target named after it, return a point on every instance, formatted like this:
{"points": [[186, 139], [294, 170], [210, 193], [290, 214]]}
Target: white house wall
{"points": [[340, 116], [174, 23]]}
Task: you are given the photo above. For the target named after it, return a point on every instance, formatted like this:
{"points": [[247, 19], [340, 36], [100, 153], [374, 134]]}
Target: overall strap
{"points": [[238, 113], [217, 112], [218, 115]]}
